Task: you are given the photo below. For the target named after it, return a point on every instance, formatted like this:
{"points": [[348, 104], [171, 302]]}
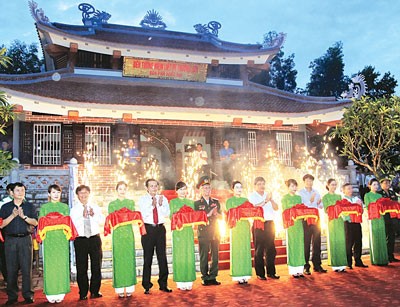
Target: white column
{"points": [[73, 183]]}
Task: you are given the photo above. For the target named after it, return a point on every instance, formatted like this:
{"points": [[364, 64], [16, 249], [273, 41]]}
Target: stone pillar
{"points": [[14, 174], [353, 176], [73, 182]]}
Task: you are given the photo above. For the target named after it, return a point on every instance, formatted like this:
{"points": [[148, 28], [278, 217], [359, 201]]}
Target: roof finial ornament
{"points": [[153, 20], [91, 16], [38, 14], [357, 88], [273, 40], [211, 28]]}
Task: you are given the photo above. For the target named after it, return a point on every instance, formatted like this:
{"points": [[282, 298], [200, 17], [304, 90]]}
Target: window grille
{"points": [[242, 146], [284, 147], [46, 144], [98, 144], [252, 146]]}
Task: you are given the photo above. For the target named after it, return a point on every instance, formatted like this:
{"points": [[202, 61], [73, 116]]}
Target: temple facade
{"points": [[105, 84]]}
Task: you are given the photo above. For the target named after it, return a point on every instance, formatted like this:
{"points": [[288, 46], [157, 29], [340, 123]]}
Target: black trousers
{"points": [[85, 248], [154, 239], [207, 246], [312, 235], [390, 227], [3, 267], [19, 256], [264, 243], [353, 242]]}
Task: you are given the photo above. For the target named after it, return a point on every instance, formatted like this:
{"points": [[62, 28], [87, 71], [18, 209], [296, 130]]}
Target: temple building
{"points": [[104, 84]]}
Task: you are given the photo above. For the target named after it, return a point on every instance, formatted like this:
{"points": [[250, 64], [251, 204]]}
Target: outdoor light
{"points": [[127, 117], [73, 114], [278, 123]]}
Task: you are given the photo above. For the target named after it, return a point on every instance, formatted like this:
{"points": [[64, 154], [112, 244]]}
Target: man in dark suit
{"points": [[208, 235]]}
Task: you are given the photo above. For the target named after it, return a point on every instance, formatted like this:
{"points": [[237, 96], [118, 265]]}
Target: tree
{"points": [[6, 115], [24, 58], [370, 132], [327, 77], [281, 75], [385, 87]]}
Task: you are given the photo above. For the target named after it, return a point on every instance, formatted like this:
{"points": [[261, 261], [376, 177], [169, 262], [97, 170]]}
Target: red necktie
{"points": [[155, 212]]}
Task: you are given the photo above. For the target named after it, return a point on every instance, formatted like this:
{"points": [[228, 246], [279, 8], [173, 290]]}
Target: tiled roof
{"points": [[166, 93]]}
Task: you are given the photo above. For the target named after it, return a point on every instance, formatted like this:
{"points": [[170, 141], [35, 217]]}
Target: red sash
{"points": [[186, 216], [123, 217], [55, 221], [345, 208], [299, 212], [382, 206], [246, 211]]}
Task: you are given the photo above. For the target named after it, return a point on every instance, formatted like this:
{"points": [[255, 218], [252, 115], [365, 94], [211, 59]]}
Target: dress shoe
{"points": [[361, 265], [273, 276], [165, 289], [307, 272], [29, 300], [12, 302], [394, 260], [320, 270], [83, 298], [261, 277], [96, 295], [296, 276], [146, 291], [214, 282], [205, 283]]}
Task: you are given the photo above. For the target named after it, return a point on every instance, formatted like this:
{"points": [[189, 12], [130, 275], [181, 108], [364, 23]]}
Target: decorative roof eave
{"points": [[58, 37], [35, 103]]}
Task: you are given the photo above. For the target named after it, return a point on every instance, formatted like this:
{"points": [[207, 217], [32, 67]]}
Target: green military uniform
{"points": [[208, 239]]}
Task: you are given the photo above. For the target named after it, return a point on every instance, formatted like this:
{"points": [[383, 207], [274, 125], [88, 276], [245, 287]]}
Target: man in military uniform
{"points": [[208, 235], [390, 224]]}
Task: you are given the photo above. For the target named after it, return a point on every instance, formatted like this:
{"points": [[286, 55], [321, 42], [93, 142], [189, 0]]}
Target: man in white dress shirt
{"points": [[312, 233], [264, 240], [86, 217], [154, 209]]}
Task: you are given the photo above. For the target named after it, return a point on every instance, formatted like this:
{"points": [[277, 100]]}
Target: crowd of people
{"points": [[57, 224]]}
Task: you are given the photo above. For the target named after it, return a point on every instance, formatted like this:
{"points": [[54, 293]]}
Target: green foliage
{"points": [[281, 75], [6, 164], [327, 76], [370, 133], [5, 61], [24, 58]]}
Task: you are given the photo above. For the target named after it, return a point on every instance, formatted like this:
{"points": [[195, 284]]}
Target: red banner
{"points": [[345, 208], [245, 211], [300, 212], [55, 221], [122, 217], [187, 216], [383, 206], [161, 69]]}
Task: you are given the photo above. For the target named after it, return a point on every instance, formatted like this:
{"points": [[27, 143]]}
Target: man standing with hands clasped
{"points": [[154, 209], [264, 240], [19, 217], [208, 235], [312, 233]]}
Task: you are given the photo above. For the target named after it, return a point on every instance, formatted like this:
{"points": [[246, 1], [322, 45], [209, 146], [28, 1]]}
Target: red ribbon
{"points": [[1, 237], [345, 208], [122, 217], [383, 206], [55, 221], [299, 212], [186, 216], [246, 211]]}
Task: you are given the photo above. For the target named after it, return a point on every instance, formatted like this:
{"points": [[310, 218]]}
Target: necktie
{"points": [[155, 213], [86, 225]]}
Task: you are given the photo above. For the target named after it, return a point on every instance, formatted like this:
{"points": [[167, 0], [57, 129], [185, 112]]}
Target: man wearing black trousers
{"points": [[86, 217], [208, 235], [18, 218], [312, 233], [154, 209], [390, 223], [353, 232], [264, 240]]}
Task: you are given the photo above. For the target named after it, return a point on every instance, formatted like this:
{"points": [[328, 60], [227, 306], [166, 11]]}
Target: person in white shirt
{"points": [[312, 233], [353, 231], [154, 209], [201, 160], [86, 217], [264, 240]]}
